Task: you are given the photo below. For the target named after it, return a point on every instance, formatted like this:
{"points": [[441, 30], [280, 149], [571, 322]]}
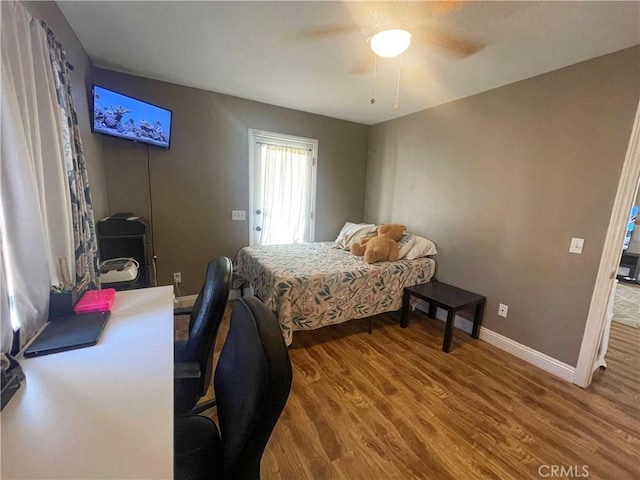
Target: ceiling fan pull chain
{"points": [[373, 88], [396, 106]]}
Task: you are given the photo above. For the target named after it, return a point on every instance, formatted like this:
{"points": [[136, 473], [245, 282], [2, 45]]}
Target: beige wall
{"points": [[80, 84], [204, 175], [502, 180]]}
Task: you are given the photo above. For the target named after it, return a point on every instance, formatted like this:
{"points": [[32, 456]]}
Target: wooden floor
{"points": [[392, 405]]}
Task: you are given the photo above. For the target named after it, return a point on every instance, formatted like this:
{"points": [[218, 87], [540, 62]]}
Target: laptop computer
{"points": [[68, 333]]}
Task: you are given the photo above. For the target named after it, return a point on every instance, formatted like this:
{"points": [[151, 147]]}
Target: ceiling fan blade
{"points": [[458, 46], [442, 8], [369, 17], [328, 31], [398, 14]]}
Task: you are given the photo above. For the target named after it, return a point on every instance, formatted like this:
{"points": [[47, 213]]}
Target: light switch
{"points": [[576, 245], [238, 215]]}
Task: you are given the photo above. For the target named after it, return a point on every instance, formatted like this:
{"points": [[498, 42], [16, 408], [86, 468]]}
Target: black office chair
{"points": [[252, 383], [196, 353]]}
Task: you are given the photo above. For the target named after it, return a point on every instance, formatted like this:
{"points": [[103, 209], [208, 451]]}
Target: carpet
{"points": [[626, 306]]}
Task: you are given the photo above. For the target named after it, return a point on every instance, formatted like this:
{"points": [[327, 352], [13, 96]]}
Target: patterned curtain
{"points": [[86, 245]]}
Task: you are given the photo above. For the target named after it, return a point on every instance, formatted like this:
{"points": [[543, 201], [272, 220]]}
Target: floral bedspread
{"points": [[311, 285]]}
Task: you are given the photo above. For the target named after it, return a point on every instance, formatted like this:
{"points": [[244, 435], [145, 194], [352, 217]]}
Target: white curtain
{"points": [[6, 331], [36, 208], [286, 174]]}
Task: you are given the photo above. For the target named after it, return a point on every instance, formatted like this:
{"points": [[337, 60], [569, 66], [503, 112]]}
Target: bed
{"points": [[311, 285]]}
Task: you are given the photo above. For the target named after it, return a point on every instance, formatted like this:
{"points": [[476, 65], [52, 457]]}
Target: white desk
{"points": [[99, 412]]}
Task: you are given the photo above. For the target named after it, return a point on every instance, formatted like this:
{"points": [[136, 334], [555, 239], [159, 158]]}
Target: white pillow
{"points": [[413, 246], [354, 232]]}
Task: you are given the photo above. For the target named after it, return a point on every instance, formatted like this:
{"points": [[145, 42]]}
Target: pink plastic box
{"points": [[96, 301]]}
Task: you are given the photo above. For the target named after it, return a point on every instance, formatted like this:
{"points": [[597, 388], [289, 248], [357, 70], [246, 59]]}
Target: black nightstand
{"points": [[452, 299]]}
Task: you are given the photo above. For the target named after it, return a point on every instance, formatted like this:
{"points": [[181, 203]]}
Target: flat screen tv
{"points": [[126, 117]]}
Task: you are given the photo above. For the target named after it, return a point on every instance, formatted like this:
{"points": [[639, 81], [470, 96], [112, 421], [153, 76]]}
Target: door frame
{"points": [[627, 190], [286, 139]]}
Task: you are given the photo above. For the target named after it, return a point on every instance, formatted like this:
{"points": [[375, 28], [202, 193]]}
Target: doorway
{"points": [[282, 185], [622, 320], [624, 308], [602, 292]]}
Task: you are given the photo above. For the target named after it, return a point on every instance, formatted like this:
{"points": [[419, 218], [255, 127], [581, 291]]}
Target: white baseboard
{"points": [[189, 300], [185, 301], [528, 354]]}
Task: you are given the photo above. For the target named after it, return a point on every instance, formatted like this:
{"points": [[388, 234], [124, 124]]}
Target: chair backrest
{"points": [[204, 323], [252, 384]]}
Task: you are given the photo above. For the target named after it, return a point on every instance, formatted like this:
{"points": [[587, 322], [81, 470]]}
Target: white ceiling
{"points": [[255, 50]]}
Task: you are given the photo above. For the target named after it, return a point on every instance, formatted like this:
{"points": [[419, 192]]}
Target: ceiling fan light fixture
{"points": [[390, 43]]}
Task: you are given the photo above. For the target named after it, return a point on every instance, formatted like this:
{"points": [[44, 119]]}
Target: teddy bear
{"points": [[383, 247]]}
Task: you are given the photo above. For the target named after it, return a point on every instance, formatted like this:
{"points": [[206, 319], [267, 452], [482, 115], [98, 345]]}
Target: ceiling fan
{"points": [[416, 18], [389, 29]]}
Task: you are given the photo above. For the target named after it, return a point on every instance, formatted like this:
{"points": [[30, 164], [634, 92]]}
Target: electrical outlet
{"points": [[177, 277], [238, 215], [502, 310], [576, 245]]}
